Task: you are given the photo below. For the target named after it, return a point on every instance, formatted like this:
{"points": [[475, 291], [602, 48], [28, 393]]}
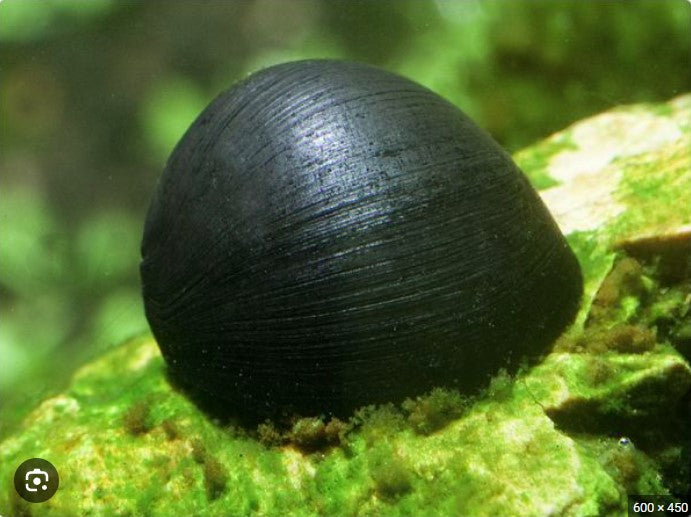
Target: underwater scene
{"points": [[345, 257]]}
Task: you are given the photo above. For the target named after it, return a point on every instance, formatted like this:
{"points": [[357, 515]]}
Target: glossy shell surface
{"points": [[328, 235]]}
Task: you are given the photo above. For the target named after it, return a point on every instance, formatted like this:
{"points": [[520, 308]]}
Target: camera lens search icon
{"points": [[36, 480]]}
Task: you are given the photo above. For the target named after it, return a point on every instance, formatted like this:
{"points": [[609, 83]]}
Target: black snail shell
{"points": [[328, 235]]}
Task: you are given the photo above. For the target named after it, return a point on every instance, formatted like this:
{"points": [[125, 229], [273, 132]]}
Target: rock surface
{"points": [[596, 419]]}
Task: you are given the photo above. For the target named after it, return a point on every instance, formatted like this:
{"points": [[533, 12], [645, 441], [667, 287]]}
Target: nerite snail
{"points": [[328, 235]]}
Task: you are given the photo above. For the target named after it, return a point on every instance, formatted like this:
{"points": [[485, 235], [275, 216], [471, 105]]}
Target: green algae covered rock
{"points": [[597, 419], [126, 444]]}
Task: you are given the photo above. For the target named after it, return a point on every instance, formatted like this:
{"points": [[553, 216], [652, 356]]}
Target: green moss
{"points": [[670, 314], [628, 339], [479, 461], [535, 160], [619, 294], [596, 260], [600, 372], [654, 193], [269, 435], [500, 387], [378, 423], [198, 450], [432, 412], [391, 477], [662, 110]]}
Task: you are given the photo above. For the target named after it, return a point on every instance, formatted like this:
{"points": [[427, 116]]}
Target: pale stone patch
{"points": [[586, 203], [588, 176], [603, 138]]}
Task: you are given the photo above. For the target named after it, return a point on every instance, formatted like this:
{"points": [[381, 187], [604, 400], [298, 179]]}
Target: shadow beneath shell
{"points": [[221, 412]]}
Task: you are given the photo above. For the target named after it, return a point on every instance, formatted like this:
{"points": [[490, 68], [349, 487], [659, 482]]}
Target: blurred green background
{"points": [[95, 93]]}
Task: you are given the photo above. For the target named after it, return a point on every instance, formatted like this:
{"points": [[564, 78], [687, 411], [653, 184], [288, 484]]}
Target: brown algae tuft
{"points": [[435, 410], [137, 419]]}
